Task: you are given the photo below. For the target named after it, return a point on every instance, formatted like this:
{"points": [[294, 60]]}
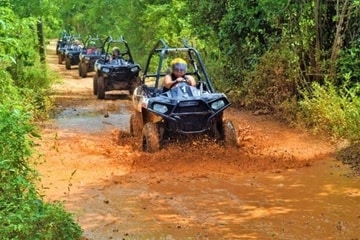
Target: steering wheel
{"points": [[182, 82]]}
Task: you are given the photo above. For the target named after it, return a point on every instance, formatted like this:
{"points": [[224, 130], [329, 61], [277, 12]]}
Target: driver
{"points": [[76, 45], [92, 48], [178, 74], [116, 53]]}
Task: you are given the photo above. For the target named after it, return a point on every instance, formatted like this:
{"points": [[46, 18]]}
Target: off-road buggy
{"points": [[91, 52], [62, 40], [115, 73], [183, 111], [62, 44], [72, 52]]}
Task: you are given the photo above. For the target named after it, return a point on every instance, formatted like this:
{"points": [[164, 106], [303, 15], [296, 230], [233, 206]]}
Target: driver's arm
{"points": [[190, 80], [168, 82]]}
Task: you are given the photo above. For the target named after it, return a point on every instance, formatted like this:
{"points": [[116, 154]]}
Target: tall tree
{"points": [[343, 12]]}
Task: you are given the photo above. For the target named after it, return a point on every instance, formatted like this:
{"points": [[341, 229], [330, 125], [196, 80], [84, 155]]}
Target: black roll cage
{"points": [[109, 41], [161, 48]]}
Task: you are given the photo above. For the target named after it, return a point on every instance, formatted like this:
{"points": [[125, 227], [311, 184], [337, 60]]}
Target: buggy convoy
{"points": [[115, 72], [182, 110], [68, 50], [62, 44]]}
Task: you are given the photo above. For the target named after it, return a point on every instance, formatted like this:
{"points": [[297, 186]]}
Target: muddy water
{"points": [[321, 201], [298, 204], [83, 118]]}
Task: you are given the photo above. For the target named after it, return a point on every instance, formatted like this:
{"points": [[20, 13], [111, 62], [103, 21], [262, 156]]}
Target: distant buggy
{"points": [[91, 52], [183, 110], [64, 42], [64, 38], [72, 52], [117, 70]]}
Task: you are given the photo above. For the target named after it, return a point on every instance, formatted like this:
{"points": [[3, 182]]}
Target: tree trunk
{"points": [[40, 34], [316, 70], [338, 41]]}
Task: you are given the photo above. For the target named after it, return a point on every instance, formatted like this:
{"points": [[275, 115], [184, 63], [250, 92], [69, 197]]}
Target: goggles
{"points": [[179, 67]]}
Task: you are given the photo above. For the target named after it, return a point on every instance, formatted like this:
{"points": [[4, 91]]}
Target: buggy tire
{"points": [[136, 124], [150, 138], [79, 70], [60, 60], [95, 84], [67, 63], [100, 87], [135, 84], [83, 69], [131, 90], [229, 133]]}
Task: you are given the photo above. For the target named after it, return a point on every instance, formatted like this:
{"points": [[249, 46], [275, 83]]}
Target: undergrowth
{"points": [[23, 213], [326, 108], [24, 82], [334, 110]]}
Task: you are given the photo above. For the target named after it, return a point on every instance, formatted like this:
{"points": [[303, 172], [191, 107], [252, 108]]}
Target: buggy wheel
{"points": [[229, 133], [95, 84], [150, 138], [67, 63], [83, 69], [135, 84], [100, 87], [79, 70], [60, 58], [131, 90], [136, 124]]}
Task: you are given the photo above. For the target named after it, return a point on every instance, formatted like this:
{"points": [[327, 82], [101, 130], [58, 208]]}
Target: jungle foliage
{"points": [[24, 82]]}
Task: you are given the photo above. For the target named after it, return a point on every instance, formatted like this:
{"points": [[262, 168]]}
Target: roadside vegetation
{"points": [[25, 81], [298, 61]]}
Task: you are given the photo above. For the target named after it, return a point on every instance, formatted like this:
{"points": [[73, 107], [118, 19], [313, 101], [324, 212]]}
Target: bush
{"points": [[23, 215], [36, 220], [272, 86], [23, 85], [327, 109]]}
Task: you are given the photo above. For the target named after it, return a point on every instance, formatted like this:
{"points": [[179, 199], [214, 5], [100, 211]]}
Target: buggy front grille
{"points": [[193, 123]]}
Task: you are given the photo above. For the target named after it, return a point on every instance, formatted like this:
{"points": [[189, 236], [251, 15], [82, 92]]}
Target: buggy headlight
{"points": [[134, 69], [160, 108], [105, 70], [87, 58], [217, 104]]}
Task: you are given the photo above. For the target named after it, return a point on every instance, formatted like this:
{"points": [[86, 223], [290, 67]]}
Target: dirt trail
{"points": [[280, 184]]}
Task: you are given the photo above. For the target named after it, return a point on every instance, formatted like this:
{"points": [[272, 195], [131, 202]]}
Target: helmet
{"points": [[178, 64], [116, 51], [92, 43]]}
